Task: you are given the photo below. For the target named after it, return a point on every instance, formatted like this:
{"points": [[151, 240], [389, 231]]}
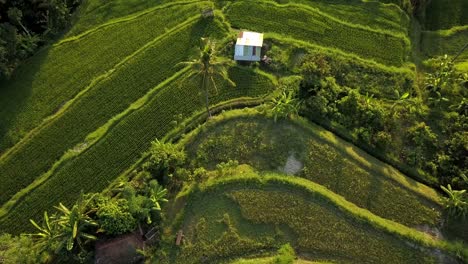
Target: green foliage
{"points": [[423, 142], [19, 249], [284, 105], [74, 224], [452, 164], [311, 25], [132, 134], [298, 57], [456, 203], [66, 233], [114, 216], [360, 114], [439, 81], [25, 24], [314, 68], [404, 104], [164, 158], [286, 255], [157, 194]]}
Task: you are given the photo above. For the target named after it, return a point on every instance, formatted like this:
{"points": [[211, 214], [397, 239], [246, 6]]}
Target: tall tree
{"points": [[208, 66]]}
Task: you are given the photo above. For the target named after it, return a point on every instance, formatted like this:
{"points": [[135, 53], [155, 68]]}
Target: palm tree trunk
{"points": [[207, 100]]}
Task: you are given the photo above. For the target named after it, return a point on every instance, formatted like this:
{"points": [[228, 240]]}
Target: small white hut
{"points": [[248, 46]]}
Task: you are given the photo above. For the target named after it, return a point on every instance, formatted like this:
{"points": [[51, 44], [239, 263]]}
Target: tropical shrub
{"points": [[284, 105], [19, 249], [314, 68], [163, 160], [114, 216], [424, 141], [286, 255]]}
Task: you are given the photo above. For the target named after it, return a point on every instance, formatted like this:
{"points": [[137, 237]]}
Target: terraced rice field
{"points": [[83, 110], [312, 25]]}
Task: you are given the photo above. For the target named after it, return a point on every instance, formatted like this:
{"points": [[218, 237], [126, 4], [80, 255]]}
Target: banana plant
{"points": [[74, 223], [47, 233], [456, 203], [284, 105], [157, 194]]}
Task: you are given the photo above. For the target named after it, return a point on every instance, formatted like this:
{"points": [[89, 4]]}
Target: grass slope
{"points": [[95, 168], [327, 160], [56, 74], [93, 12], [450, 42], [252, 214], [312, 25]]}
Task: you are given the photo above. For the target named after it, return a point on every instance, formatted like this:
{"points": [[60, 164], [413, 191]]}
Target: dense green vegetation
{"points": [[351, 146], [445, 14], [26, 25]]}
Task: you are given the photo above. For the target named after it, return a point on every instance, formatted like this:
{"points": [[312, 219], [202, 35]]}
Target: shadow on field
{"points": [[14, 93]]}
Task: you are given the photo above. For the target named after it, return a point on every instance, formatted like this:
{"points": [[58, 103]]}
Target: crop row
{"points": [[107, 98], [95, 18], [367, 189], [57, 74], [445, 14], [315, 27], [368, 14], [96, 167]]}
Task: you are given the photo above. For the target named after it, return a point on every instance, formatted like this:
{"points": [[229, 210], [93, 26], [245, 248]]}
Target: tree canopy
{"points": [[26, 25]]}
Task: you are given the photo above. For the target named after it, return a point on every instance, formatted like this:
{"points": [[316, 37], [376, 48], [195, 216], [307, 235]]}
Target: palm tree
{"points": [[74, 222], [209, 66]]}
